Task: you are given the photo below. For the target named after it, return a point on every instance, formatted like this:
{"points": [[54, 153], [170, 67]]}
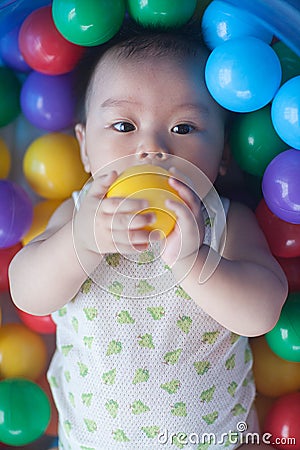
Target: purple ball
{"points": [[281, 187], [16, 213], [47, 101], [10, 51]]}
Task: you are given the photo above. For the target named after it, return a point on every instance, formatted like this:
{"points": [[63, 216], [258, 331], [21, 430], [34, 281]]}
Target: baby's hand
{"points": [[188, 233], [111, 225]]}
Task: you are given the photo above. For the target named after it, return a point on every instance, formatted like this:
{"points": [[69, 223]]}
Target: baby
{"points": [[151, 354]]}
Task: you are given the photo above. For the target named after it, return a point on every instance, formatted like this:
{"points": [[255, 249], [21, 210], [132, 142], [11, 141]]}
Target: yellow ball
{"points": [[5, 159], [42, 212], [150, 183], [23, 352], [52, 166]]}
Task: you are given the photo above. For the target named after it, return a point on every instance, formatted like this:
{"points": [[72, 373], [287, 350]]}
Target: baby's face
{"points": [[152, 109]]}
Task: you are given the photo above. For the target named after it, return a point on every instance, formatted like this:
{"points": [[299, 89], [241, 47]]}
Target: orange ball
{"points": [[53, 424], [5, 159], [150, 183], [273, 376], [52, 166], [42, 212], [23, 352]]}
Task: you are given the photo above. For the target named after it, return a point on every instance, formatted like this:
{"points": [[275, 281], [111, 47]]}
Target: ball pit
{"points": [[94, 22]]}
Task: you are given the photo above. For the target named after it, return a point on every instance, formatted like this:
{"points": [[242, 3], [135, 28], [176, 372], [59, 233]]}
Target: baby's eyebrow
{"points": [[115, 103], [198, 107]]}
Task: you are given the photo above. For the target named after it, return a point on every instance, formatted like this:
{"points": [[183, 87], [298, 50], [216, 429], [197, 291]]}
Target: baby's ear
{"points": [[80, 135], [226, 158]]}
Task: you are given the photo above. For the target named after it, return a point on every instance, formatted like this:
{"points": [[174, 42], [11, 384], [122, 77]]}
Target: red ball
{"points": [[39, 324], [283, 237], [282, 422], [44, 48], [6, 255], [291, 268]]}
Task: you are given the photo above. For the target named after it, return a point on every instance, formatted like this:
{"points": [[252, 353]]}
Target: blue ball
{"points": [[286, 112], [222, 21], [243, 75]]}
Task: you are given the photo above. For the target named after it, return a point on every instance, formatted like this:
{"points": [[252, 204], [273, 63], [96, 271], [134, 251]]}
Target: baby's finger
{"points": [[128, 221], [101, 184], [187, 195], [117, 205]]}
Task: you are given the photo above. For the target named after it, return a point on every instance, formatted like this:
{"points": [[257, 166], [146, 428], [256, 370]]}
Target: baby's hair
{"points": [[136, 42]]}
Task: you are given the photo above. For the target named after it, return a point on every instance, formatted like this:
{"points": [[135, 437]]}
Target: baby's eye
{"points": [[183, 128], [124, 127]]}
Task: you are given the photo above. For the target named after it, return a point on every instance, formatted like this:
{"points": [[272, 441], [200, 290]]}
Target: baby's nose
{"points": [[150, 156]]}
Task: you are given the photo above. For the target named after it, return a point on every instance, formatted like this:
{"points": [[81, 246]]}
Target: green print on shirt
{"points": [[248, 355], [171, 387], [202, 367], [146, 341], [138, 407], [88, 341], [87, 399], [109, 377], [143, 287], [210, 337], [230, 363], [207, 395], [87, 448], [113, 348], [211, 418], [53, 382], [86, 286], [83, 369], [184, 323], [72, 399], [113, 259], [67, 427], [179, 409], [141, 376], [120, 436], [232, 388], [179, 440], [90, 313], [67, 376], [234, 338], [123, 317], [157, 312], [173, 356], [65, 349], [116, 289], [146, 257], [181, 293], [112, 407], [90, 425], [238, 409], [203, 446], [62, 311], [75, 323], [151, 432]]}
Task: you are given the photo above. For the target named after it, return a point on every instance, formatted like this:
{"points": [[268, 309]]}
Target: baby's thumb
{"points": [[101, 184]]}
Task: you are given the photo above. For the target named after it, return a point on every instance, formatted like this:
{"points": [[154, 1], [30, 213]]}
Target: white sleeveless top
{"points": [[140, 366]]}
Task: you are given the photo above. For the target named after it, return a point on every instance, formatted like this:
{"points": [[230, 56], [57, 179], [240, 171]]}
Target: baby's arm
{"points": [[248, 288]]}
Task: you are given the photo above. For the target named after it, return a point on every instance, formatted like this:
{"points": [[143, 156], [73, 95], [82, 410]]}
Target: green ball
{"points": [[254, 141], [24, 411], [165, 13], [10, 89], [88, 22], [284, 338], [290, 61]]}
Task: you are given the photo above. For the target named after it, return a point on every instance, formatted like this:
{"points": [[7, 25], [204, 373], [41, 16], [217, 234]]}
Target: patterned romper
{"points": [[140, 366]]}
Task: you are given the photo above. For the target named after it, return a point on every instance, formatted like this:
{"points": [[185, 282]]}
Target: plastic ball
{"points": [[291, 268], [52, 429], [52, 166], [284, 338], [6, 255], [273, 375], [42, 212], [254, 142], [39, 324], [283, 237], [9, 94], [162, 12], [44, 48], [16, 213], [88, 23], [151, 183], [290, 61], [10, 51], [23, 352], [222, 21], [286, 112], [5, 159], [48, 101], [243, 75], [25, 411], [281, 188], [282, 422], [262, 405]]}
